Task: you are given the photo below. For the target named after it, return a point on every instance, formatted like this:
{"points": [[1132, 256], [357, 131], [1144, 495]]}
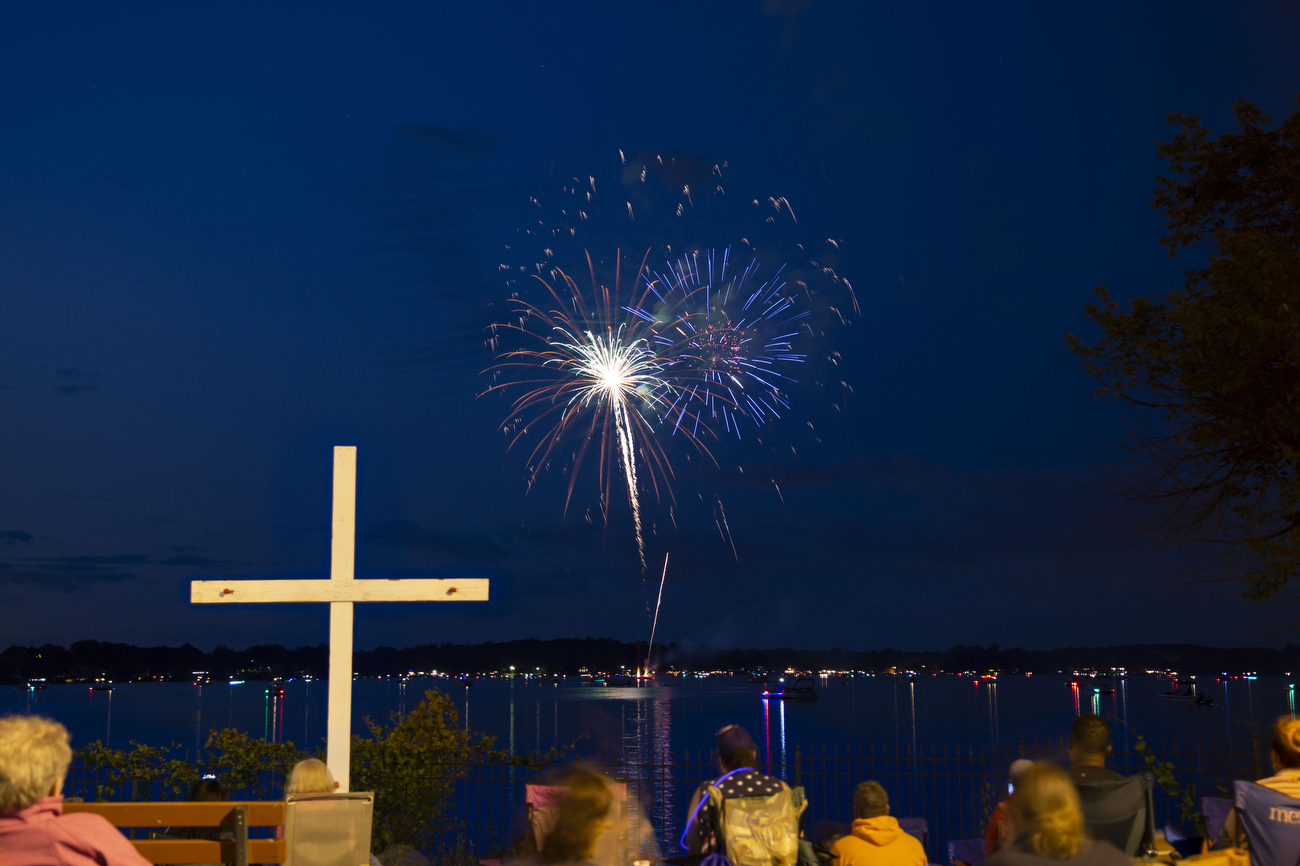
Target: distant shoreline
{"points": [[87, 661]]}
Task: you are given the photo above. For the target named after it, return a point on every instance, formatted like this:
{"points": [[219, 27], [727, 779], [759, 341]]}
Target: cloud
{"points": [[411, 536], [66, 574], [470, 141], [11, 536], [73, 381], [75, 572]]}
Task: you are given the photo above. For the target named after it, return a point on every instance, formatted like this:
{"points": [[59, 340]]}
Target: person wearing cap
{"points": [[737, 757], [996, 837]]}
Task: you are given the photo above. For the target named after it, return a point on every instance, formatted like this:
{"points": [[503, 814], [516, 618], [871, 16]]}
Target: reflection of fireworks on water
{"points": [[722, 334], [596, 375]]}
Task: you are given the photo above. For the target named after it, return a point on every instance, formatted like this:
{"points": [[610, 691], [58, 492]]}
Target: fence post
{"points": [[1254, 749], [1022, 747], [796, 766]]}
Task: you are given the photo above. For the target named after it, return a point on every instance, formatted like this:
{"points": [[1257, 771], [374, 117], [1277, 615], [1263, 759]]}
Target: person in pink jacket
{"points": [[34, 758]]}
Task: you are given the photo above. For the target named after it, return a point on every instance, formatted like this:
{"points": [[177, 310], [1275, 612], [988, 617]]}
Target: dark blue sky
{"points": [[233, 237]]}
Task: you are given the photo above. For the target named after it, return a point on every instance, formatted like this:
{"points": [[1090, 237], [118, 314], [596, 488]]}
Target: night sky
{"points": [[232, 237]]}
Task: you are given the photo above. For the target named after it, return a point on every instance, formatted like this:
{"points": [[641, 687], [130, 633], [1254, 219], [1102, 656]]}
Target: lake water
{"points": [[651, 726], [675, 713]]}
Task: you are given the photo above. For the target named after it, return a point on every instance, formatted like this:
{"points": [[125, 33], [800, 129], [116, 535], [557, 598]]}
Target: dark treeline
{"points": [[86, 660]]}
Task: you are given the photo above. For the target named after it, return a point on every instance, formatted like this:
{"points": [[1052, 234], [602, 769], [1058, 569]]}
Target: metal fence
{"points": [[953, 787]]}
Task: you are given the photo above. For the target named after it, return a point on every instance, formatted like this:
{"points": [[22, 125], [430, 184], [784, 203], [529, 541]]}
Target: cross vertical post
{"points": [[342, 591], [343, 544]]}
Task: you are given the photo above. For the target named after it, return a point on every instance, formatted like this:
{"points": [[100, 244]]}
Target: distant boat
{"points": [[93, 688], [1189, 696], [802, 690]]}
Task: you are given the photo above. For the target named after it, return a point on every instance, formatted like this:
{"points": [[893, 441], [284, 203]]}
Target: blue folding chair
{"points": [[967, 851], [1216, 811], [917, 828], [1272, 824]]}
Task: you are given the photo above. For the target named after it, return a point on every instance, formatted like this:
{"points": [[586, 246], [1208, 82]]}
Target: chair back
{"points": [[328, 829], [1216, 811], [967, 851], [1120, 811], [918, 829], [543, 803], [1272, 824]]}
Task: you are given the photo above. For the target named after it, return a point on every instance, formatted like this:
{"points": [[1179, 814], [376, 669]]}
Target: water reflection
{"points": [[273, 715], [783, 762], [911, 689], [993, 714]]}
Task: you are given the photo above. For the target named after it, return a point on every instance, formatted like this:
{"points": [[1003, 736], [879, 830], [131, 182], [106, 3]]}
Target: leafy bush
{"points": [[254, 768], [413, 765]]}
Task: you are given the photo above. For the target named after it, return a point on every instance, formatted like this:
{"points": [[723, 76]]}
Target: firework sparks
{"points": [[723, 335], [596, 376]]}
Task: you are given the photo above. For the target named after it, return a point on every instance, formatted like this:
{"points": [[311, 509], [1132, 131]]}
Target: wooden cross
{"points": [[341, 590]]}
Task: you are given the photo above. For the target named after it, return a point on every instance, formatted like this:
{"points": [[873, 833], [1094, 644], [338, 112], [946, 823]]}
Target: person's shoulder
{"points": [[1101, 853], [1014, 856], [1092, 774], [92, 832], [752, 784]]}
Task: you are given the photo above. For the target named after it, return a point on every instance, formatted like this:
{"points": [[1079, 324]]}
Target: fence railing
{"points": [[953, 787]]}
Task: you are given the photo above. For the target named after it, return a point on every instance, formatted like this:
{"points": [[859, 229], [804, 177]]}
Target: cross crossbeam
{"points": [[340, 591]]}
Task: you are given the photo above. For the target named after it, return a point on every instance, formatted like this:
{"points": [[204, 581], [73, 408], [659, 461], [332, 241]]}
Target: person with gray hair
{"points": [[34, 758], [876, 839], [996, 838]]}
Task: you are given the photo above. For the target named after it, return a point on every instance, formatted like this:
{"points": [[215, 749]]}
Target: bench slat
{"points": [[260, 814], [200, 851]]}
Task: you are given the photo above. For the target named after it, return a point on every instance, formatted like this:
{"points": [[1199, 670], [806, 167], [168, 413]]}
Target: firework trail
{"points": [[723, 335], [596, 374], [655, 624]]}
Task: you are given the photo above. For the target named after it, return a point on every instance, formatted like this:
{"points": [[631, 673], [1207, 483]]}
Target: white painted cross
{"points": [[341, 590]]}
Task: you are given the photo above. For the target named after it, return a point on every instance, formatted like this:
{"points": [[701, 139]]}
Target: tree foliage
{"points": [[252, 768], [1214, 368], [413, 765]]}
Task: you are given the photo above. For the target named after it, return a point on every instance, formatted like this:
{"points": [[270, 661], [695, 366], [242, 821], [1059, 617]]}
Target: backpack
{"points": [[758, 831]]}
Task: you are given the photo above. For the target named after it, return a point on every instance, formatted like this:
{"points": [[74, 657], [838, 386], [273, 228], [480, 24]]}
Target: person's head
{"points": [[1045, 811], [1089, 741], [870, 800], [583, 816], [736, 748], [34, 758], [207, 791], [310, 777], [1017, 770], [1286, 744]]}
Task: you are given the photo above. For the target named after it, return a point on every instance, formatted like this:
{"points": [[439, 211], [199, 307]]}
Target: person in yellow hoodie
{"points": [[876, 839]]}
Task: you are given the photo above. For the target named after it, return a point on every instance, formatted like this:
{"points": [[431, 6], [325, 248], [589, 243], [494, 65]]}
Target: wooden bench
{"points": [[235, 816]]}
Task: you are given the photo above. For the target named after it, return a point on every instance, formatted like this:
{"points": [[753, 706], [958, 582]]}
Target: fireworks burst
{"points": [[595, 374], [722, 335]]}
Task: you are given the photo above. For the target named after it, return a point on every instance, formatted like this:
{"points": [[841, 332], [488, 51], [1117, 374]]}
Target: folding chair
{"points": [[1216, 811], [1272, 824], [1121, 811], [969, 852], [328, 829], [919, 829]]}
